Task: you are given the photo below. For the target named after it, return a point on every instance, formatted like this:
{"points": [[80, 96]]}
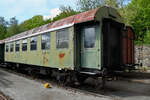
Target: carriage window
{"points": [[7, 47], [11, 47], [62, 38], [17, 46], [33, 43], [89, 37], [45, 41], [24, 45]]}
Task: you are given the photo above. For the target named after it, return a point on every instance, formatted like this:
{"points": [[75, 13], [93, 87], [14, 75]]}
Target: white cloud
{"points": [[53, 13], [23, 8]]}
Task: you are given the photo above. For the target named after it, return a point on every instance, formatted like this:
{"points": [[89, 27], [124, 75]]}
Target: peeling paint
{"points": [[45, 59], [61, 56]]}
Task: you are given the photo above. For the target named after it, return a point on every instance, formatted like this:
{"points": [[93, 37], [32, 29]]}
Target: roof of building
{"points": [[63, 23]]}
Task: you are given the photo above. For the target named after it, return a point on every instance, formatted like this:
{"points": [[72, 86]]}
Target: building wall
{"points": [[146, 55]]}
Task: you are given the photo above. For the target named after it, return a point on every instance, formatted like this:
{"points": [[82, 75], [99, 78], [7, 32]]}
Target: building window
{"points": [[17, 45], [7, 47], [24, 45], [33, 43], [62, 38], [45, 45], [11, 47], [89, 37]]}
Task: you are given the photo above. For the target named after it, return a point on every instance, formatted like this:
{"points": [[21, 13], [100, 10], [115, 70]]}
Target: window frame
{"points": [[58, 32], [7, 47], [31, 44], [17, 43], [12, 47], [90, 26], [46, 40], [23, 43]]}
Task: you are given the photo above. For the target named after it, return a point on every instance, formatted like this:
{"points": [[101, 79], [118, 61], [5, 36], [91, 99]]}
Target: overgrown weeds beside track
{"points": [[4, 97]]}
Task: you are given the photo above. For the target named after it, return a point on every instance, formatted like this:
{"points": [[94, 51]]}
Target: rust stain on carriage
{"points": [[45, 59], [61, 56]]}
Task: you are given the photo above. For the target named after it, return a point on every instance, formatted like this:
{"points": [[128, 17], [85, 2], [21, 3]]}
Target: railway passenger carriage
{"points": [[43, 49], [89, 43]]}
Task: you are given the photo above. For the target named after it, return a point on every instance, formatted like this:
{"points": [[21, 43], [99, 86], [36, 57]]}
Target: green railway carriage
{"points": [[87, 41]]}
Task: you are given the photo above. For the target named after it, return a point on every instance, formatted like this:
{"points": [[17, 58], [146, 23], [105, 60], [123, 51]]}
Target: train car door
{"points": [[2, 52], [90, 47], [128, 46], [112, 45]]}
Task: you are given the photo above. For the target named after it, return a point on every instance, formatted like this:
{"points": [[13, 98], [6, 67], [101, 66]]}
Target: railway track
{"points": [[86, 89], [111, 90]]}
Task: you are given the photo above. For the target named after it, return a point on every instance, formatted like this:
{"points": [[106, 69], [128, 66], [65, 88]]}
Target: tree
{"points": [[38, 20], [13, 27], [3, 28], [84, 5], [112, 3], [141, 18], [31, 23], [120, 5], [65, 12]]}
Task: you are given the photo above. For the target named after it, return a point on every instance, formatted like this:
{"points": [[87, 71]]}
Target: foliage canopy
{"points": [[135, 13]]}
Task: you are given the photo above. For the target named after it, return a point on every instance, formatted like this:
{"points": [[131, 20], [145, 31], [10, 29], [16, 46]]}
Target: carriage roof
{"points": [[95, 14]]}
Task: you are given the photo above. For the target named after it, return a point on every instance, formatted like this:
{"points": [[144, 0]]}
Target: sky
{"points": [[25, 9]]}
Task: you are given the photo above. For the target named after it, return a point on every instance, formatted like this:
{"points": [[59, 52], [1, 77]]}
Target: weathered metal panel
{"points": [[128, 46], [85, 16], [90, 57], [55, 58], [108, 12], [125, 48], [6, 54]]}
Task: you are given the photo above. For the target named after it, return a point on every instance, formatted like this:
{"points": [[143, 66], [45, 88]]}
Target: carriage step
{"points": [[89, 73]]}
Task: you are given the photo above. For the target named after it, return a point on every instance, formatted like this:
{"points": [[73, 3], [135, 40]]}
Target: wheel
{"points": [[81, 78], [104, 76]]}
